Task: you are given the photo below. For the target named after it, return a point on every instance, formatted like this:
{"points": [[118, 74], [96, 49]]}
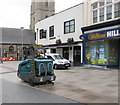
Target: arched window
{"points": [[11, 48]]}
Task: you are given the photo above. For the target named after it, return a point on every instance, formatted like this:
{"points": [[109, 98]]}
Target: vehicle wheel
{"points": [[55, 66], [31, 82], [50, 82], [18, 74], [66, 67]]}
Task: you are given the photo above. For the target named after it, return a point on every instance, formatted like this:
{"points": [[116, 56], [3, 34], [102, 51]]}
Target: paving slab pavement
{"points": [[85, 85]]}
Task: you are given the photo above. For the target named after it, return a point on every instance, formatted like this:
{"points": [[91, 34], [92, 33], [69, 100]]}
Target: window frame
{"points": [[101, 3], [117, 11], [113, 13], [108, 1], [51, 31], [95, 5], [42, 34], [101, 14], [95, 17], [109, 12], [67, 24]]}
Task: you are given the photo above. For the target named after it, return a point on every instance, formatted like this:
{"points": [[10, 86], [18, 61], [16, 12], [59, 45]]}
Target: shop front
{"points": [[70, 51], [102, 48]]}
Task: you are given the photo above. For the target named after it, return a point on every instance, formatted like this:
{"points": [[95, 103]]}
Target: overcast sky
{"points": [[16, 13]]}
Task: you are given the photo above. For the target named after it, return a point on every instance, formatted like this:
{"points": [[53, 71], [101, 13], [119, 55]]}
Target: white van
{"points": [[58, 61]]}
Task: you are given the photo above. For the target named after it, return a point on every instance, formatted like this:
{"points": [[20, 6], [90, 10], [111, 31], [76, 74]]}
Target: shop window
{"points": [[113, 52], [69, 26], [96, 52], [51, 31], [109, 12], [117, 10], [11, 48], [102, 52], [95, 16], [101, 14]]}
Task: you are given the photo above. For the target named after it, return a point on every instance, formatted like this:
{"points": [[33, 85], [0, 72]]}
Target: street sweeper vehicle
{"points": [[36, 71]]}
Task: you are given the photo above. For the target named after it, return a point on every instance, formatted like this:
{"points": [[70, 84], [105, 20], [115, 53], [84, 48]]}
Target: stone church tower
{"points": [[41, 9]]}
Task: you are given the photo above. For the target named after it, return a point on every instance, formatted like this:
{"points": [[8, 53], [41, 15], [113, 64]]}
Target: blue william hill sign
{"points": [[103, 34]]}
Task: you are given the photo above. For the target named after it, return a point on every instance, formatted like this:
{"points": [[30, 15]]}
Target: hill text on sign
{"points": [[113, 33]]}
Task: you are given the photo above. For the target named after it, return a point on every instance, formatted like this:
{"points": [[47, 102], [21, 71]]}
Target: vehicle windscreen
{"points": [[58, 57]]}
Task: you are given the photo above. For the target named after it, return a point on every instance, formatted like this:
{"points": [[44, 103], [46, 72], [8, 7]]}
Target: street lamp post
{"points": [[22, 28]]}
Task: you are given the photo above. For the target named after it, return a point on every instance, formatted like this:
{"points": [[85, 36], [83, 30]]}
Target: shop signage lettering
{"points": [[97, 36], [113, 33], [103, 34]]}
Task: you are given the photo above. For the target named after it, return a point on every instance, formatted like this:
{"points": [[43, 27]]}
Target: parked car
{"points": [[58, 61], [8, 59]]}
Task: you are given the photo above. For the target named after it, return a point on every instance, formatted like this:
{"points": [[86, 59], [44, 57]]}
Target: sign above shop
{"points": [[97, 36], [103, 34], [113, 33]]}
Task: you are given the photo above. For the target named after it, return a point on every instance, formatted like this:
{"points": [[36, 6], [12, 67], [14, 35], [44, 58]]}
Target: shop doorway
{"points": [[77, 56], [66, 53]]}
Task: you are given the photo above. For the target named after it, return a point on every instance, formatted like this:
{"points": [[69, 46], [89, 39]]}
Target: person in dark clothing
{"points": [[1, 60]]}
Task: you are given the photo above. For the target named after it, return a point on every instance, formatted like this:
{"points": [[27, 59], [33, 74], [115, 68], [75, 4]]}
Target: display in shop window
{"points": [[102, 56], [88, 58], [93, 51]]}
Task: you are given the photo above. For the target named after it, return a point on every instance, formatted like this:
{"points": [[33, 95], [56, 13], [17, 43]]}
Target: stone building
{"points": [[41, 9], [15, 42]]}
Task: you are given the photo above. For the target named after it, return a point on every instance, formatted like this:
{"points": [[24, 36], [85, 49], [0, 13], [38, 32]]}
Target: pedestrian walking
{"points": [[1, 60]]}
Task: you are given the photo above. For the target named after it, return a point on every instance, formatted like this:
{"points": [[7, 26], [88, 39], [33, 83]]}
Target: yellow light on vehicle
{"points": [[38, 46]]}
